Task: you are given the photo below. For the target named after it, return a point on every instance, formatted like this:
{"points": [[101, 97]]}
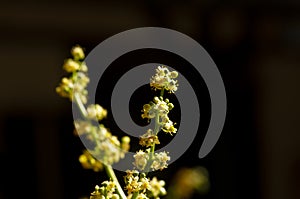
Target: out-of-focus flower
{"points": [[71, 66], [75, 84], [65, 88], [125, 143], [89, 162], [157, 188], [82, 127], [83, 67], [77, 53], [115, 196], [96, 112], [142, 196], [188, 181], [108, 149]]}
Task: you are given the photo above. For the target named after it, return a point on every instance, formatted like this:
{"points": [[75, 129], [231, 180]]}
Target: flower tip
{"points": [[126, 139], [77, 52]]}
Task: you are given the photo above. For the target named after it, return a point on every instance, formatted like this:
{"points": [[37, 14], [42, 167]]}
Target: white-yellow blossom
{"points": [[140, 160], [160, 161], [164, 79]]}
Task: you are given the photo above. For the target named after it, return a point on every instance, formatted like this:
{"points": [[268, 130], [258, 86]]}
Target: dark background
{"points": [[255, 45]]}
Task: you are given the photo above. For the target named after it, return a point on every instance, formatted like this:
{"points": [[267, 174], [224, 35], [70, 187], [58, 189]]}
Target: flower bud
{"points": [[115, 196], [125, 140], [174, 74], [77, 53], [70, 66]]}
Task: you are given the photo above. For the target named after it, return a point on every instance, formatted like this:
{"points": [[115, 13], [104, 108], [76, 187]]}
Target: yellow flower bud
{"points": [[96, 194], [174, 74], [146, 107], [70, 66], [77, 53], [171, 106], [115, 196], [83, 67], [125, 140]]}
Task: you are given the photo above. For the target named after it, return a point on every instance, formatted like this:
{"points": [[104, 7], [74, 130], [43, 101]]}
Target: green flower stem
{"points": [[156, 130], [162, 92], [80, 105], [135, 195], [109, 170], [156, 127]]}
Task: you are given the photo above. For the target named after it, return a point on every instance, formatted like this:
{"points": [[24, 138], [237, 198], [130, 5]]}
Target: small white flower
{"points": [[160, 161], [141, 159], [164, 79]]}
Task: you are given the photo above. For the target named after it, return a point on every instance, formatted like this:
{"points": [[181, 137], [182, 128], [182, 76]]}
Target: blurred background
{"points": [[255, 45]]}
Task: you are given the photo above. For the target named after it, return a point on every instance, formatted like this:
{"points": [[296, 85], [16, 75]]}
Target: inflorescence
{"points": [[107, 147]]}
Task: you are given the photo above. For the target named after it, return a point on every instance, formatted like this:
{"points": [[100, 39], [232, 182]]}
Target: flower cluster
{"points": [[89, 162], [96, 112], [164, 79], [160, 108], [189, 181], [107, 147], [106, 191], [146, 160], [160, 161], [157, 162], [78, 79], [140, 187], [149, 139]]}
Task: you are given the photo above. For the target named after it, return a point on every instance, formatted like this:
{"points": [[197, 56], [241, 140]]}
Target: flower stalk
{"points": [[109, 170], [106, 147]]}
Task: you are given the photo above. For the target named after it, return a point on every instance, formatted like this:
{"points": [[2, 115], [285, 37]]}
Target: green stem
{"points": [[135, 195], [162, 92], [156, 130], [80, 105], [109, 170]]}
